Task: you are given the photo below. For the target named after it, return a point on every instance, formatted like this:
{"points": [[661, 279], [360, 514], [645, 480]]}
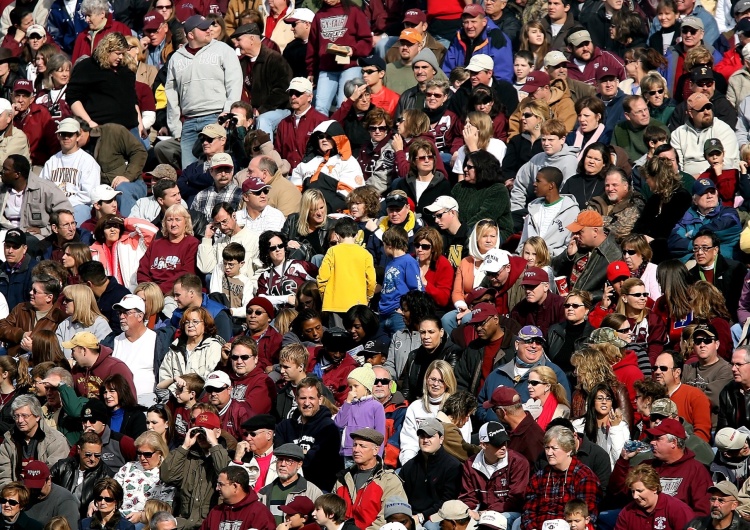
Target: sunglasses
{"points": [[99, 498], [256, 312], [638, 295], [258, 193], [377, 128], [95, 455], [536, 383], [655, 92], [147, 454], [423, 246], [690, 31], [382, 381], [703, 340], [238, 357], [660, 368], [425, 158], [274, 248], [630, 252], [12, 502], [574, 306]]}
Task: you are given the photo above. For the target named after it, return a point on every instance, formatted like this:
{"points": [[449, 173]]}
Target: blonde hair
{"points": [[310, 199], [449, 379], [542, 250], [86, 310], [177, 209], [548, 377], [154, 298]]}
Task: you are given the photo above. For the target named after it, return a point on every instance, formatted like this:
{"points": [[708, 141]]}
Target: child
{"points": [[330, 513], [189, 387], [402, 275], [298, 515], [577, 515], [522, 64], [347, 274], [360, 410], [235, 286]]}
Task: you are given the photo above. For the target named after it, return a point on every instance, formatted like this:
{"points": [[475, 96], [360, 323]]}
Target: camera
{"points": [[231, 118]]}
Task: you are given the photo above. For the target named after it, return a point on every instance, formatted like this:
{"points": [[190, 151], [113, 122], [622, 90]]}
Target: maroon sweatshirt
{"points": [[336, 25]]}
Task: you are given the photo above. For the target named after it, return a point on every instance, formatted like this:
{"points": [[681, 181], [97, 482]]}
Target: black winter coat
{"points": [[430, 481]]}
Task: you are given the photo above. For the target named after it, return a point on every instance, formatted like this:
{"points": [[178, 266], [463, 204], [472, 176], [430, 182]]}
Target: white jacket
{"points": [[566, 160], [689, 141], [557, 235]]}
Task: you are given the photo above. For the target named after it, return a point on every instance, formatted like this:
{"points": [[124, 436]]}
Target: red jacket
{"points": [[237, 413], [290, 140], [669, 514], [88, 381], [254, 388], [504, 491], [39, 128], [85, 46], [248, 513], [440, 281]]}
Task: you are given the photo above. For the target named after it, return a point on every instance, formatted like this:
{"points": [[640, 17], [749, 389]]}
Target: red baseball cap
{"points": [[617, 270]]}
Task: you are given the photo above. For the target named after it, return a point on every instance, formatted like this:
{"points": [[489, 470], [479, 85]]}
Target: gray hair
{"points": [[89, 7], [564, 436], [27, 401], [160, 517], [65, 376], [351, 85]]}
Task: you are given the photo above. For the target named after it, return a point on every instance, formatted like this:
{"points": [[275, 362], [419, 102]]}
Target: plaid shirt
{"points": [[550, 489], [205, 201]]}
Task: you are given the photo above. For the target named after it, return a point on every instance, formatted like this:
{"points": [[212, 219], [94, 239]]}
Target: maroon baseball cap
{"points": [[153, 20], [300, 504], [35, 474], [617, 270], [503, 396], [482, 312], [668, 426], [535, 80], [533, 276], [415, 16], [253, 184], [23, 85]]}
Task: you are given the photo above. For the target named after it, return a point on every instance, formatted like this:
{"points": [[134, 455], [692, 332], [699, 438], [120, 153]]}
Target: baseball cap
{"points": [[728, 439], [300, 84], [480, 62], [555, 58], [431, 427], [530, 332], [290, 451], [617, 270], [444, 202], [579, 37], [492, 520], [104, 192], [300, 15], [472, 11], [247, 29], [411, 35], [606, 336], [35, 474], [496, 433], [705, 329], [701, 186], [482, 312], [300, 504], [95, 410], [535, 80], [163, 171], [152, 20], [664, 407], [712, 145], [130, 301], [372, 60], [692, 22], [68, 125], [23, 85], [668, 426], [222, 160], [587, 218], [454, 510], [533, 276], [368, 434], [502, 396], [214, 130], [494, 260], [727, 488], [196, 21], [415, 16], [208, 420], [394, 505], [36, 29], [700, 73], [84, 339], [253, 184], [218, 379], [14, 236]]}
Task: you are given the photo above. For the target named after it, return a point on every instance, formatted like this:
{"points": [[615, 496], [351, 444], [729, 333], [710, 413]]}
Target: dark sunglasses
{"points": [[630, 252], [12, 502], [276, 247], [256, 312], [382, 381], [689, 30], [238, 357], [147, 454], [574, 306], [99, 498], [377, 128], [703, 340], [637, 295], [536, 383], [660, 368], [655, 92], [258, 193], [95, 455]]}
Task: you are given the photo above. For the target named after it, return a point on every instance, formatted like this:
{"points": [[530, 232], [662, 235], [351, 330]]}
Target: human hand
{"points": [[397, 142]]}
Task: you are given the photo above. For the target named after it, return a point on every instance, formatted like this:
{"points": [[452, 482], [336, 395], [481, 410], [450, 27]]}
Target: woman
{"points": [[522, 147], [442, 120], [547, 397], [307, 231], [477, 135], [591, 127], [79, 303], [141, 479], [74, 255], [46, 348], [108, 497], [102, 87], [412, 125], [364, 207], [563, 338], [588, 182], [647, 330], [415, 306], [709, 305], [436, 344], [636, 252], [651, 504], [609, 342], [638, 63], [654, 89], [563, 479], [664, 208], [377, 157], [144, 73], [603, 424], [120, 244], [178, 246], [437, 271], [14, 381], [54, 86], [20, 19], [674, 306], [15, 498], [480, 195], [196, 350], [281, 276], [352, 113], [154, 301], [127, 417], [534, 39], [424, 183], [438, 384]]}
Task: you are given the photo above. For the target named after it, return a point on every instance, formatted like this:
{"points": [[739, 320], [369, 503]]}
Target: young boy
{"points": [[402, 275], [235, 285], [577, 515], [189, 387], [347, 275], [330, 513]]}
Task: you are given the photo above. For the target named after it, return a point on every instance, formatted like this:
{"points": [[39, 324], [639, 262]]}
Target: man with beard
{"points": [[724, 501]]}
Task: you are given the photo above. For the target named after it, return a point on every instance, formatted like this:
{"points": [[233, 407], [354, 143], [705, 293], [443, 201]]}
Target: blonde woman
{"points": [[308, 230], [79, 304], [438, 385], [478, 135], [547, 397]]}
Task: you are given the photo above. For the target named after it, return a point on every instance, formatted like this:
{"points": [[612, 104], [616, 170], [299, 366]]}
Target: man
{"points": [[15, 271], [557, 22], [732, 410], [106, 291], [63, 223], [94, 364], [289, 459], [589, 252], [496, 478], [629, 133], [620, 205], [18, 328], [556, 65], [682, 476], [135, 339], [480, 35], [12, 139], [373, 72], [266, 77], [294, 131], [692, 403], [47, 500], [188, 294], [397, 214], [723, 501], [35, 122], [693, 9], [260, 313], [232, 412], [608, 90], [256, 454], [541, 307], [706, 213], [515, 374], [312, 428], [196, 177], [258, 216], [156, 38], [240, 506], [295, 52], [365, 501], [431, 465], [417, 19], [200, 103], [282, 195], [700, 127], [28, 201], [399, 74], [30, 438], [394, 403], [425, 68], [587, 60], [455, 235], [104, 202], [525, 436], [702, 82], [193, 468], [710, 373], [554, 92]]}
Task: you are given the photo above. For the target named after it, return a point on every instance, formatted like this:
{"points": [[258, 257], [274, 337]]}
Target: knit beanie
{"points": [[364, 375]]}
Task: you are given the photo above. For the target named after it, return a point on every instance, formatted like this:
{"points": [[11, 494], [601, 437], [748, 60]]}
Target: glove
{"points": [[497, 38]]}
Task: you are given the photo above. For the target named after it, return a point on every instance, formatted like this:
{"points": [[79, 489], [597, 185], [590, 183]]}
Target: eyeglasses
{"points": [[630, 252], [193, 322], [214, 390], [704, 108], [423, 246], [703, 248], [536, 383], [425, 158], [441, 214], [689, 30], [238, 357], [256, 312], [377, 128], [655, 92], [368, 72], [99, 498], [258, 193], [12, 502], [603, 399], [382, 381], [274, 248], [147, 454], [528, 115], [95, 455], [435, 95], [660, 368], [574, 306], [703, 340], [66, 301], [637, 295]]}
